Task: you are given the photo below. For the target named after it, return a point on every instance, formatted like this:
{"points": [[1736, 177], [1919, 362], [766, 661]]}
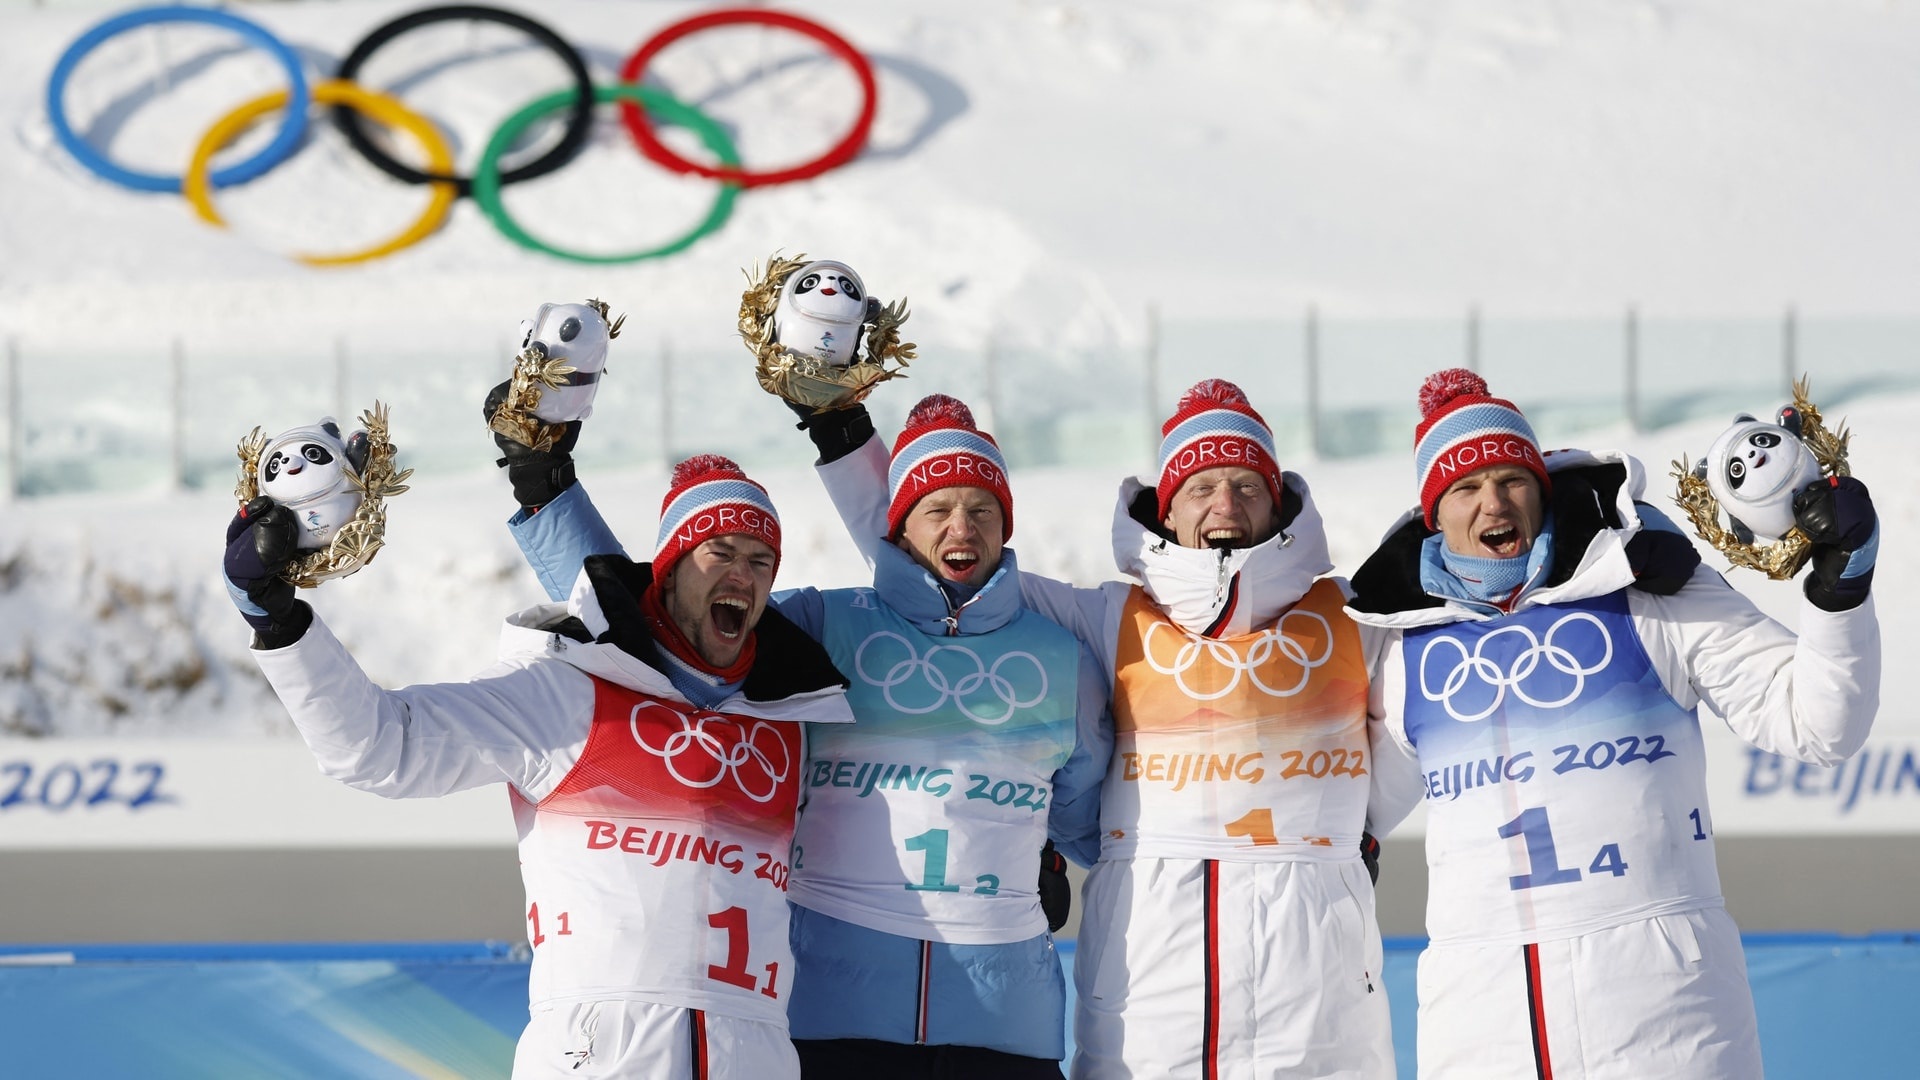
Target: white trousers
{"points": [[634, 1039], [1662, 997], [1230, 971]]}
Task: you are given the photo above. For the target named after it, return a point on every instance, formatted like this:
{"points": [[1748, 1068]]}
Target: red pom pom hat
{"points": [[1213, 425], [1464, 428], [941, 448], [710, 497]]}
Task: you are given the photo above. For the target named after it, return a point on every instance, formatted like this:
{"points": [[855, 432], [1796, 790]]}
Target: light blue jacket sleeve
{"points": [[804, 608], [558, 539], [1073, 822]]}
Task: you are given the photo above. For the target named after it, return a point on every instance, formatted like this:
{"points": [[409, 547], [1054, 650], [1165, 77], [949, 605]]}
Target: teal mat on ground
{"points": [[1829, 1006]]}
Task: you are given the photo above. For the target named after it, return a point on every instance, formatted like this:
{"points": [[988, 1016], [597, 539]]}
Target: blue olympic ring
{"points": [[285, 142]]}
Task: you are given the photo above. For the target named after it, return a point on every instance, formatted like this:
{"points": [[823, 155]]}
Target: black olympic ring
{"points": [[572, 139]]}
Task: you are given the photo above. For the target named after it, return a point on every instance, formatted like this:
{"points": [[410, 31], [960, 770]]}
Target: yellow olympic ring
{"points": [[379, 107]]}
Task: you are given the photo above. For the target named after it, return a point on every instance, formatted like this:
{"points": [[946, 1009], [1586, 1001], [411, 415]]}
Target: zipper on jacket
{"points": [[952, 619]]}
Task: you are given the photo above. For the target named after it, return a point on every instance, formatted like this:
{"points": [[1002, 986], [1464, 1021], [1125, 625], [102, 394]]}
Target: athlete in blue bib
{"points": [[920, 942], [1546, 642]]}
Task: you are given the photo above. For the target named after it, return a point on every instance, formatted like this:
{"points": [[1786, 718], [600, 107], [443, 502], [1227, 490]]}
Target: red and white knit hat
{"points": [[711, 497], [1214, 425], [1464, 428], [941, 448]]}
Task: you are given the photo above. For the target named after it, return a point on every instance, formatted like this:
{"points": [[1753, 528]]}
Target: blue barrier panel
{"points": [[1829, 1006], [373, 1011]]}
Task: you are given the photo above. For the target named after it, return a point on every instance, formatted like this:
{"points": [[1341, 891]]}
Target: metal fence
{"points": [[168, 414]]}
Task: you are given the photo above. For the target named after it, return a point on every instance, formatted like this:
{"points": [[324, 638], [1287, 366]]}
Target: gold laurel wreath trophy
{"points": [[534, 372], [1783, 558], [359, 539], [806, 380]]}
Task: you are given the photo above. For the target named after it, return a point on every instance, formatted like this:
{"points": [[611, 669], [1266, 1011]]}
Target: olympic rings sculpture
{"points": [[933, 677], [641, 108], [198, 186], [1274, 641], [726, 756], [1514, 676]]}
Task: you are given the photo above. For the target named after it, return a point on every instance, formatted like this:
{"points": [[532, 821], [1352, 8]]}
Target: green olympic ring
{"points": [[486, 176]]}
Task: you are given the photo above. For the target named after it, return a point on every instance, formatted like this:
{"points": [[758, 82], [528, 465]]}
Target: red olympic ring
{"points": [[641, 128]]}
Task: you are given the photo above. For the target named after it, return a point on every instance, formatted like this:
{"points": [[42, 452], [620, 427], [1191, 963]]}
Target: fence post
{"points": [[666, 404], [1153, 381], [991, 361], [342, 365], [178, 397], [1313, 381], [1632, 388], [1473, 337], [15, 440], [1789, 352]]}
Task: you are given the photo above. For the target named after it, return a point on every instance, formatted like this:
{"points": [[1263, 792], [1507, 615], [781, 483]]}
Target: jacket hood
{"points": [[912, 591], [1221, 593], [602, 631], [1600, 546]]}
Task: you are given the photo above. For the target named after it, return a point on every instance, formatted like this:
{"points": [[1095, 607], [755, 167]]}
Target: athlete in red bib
{"points": [[649, 734]]}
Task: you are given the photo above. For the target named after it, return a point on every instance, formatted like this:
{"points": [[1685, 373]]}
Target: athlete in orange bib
{"points": [[1229, 886]]}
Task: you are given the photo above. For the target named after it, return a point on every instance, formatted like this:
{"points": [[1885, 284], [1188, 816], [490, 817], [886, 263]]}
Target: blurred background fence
{"points": [[167, 414]]}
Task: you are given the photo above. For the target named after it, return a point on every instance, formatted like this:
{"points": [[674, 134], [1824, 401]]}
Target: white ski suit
{"points": [[654, 834], [1228, 925], [1574, 909]]}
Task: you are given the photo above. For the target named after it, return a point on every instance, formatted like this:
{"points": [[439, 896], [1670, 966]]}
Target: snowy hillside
{"points": [[1039, 175], [1038, 170]]}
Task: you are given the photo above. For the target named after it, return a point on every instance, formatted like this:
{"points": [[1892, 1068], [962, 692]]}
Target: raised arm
{"points": [[854, 471], [1812, 698], [522, 724]]}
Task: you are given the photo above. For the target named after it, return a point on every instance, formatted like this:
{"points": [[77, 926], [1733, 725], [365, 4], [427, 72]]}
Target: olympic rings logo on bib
{"points": [[641, 108], [1477, 667], [924, 675], [1271, 651], [718, 746]]}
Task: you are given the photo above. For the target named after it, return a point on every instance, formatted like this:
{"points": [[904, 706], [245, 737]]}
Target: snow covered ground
{"points": [[1039, 174]]}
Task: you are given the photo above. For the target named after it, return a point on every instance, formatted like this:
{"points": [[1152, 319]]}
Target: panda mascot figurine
{"points": [[317, 474], [577, 335], [822, 311], [1755, 468]]}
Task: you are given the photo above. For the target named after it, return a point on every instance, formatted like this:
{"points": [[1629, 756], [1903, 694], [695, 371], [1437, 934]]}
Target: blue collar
{"points": [[915, 594], [1499, 583]]}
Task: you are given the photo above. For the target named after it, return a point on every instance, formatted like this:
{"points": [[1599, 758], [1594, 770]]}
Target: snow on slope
{"points": [[113, 619], [1039, 173], [1043, 170]]}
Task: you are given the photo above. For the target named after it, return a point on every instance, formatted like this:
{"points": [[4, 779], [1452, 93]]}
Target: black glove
{"points": [[1837, 514], [538, 476], [261, 540], [836, 432], [1056, 892], [1370, 854]]}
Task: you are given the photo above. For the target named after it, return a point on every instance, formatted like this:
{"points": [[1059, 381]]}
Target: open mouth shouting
{"points": [[959, 564], [1225, 536], [728, 617], [1501, 541]]}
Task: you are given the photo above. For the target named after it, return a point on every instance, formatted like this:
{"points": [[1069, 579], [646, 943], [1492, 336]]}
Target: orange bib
{"points": [[1250, 747]]}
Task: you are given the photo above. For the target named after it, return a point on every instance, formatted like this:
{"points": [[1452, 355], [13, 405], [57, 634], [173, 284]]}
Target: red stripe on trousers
{"points": [[1537, 1015], [920, 1021], [699, 1044], [1210, 1036]]}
